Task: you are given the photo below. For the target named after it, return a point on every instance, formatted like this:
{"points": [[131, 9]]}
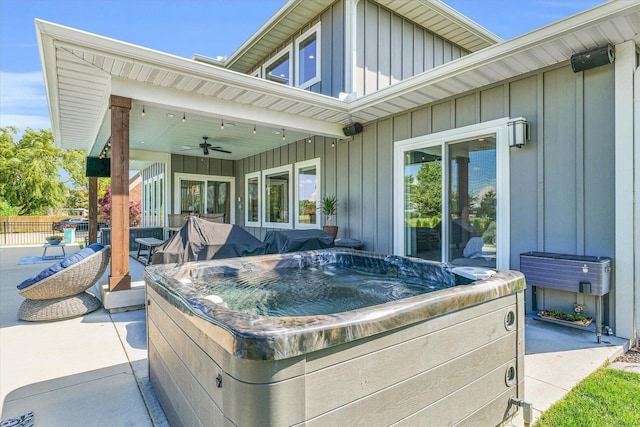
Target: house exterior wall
{"points": [[391, 48], [562, 182], [331, 49]]}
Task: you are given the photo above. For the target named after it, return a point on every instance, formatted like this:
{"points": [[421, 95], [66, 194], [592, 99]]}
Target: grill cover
{"points": [[200, 240]]}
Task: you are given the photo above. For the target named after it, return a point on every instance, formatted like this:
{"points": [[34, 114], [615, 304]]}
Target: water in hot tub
{"points": [[313, 291]]}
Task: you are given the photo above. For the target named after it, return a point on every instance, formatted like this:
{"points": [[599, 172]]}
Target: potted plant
{"points": [[329, 207], [53, 240]]}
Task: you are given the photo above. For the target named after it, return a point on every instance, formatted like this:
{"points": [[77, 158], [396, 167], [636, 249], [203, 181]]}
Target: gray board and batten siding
{"points": [[390, 48], [562, 182]]}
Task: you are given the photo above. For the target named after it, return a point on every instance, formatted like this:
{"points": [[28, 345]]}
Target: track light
{"points": [[184, 117], [142, 110]]}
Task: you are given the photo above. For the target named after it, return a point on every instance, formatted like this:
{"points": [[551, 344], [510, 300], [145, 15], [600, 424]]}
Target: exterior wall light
{"points": [[518, 132]]}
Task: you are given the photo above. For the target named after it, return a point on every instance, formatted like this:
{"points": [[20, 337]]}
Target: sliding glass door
{"points": [[448, 206]]}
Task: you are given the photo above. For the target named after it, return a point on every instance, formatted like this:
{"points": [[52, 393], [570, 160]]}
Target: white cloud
{"points": [[23, 102]]}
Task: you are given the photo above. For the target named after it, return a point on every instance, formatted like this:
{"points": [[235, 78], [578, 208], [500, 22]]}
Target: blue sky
{"points": [[208, 27]]}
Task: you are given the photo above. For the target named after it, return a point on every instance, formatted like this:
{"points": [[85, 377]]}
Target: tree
{"points": [[488, 205], [29, 178], [104, 209], [426, 192]]}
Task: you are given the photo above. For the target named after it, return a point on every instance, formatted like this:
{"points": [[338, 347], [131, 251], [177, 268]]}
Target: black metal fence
{"points": [[29, 233]]}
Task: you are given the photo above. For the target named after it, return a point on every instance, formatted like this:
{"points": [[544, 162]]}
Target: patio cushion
{"points": [[67, 262], [473, 249]]}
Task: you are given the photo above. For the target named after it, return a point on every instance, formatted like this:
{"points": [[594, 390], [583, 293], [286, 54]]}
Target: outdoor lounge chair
{"points": [[58, 292]]}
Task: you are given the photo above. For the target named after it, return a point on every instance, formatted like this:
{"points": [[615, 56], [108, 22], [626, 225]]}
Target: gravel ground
{"points": [[631, 356]]}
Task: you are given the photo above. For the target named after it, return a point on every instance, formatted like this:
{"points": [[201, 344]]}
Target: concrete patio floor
{"points": [[92, 370]]}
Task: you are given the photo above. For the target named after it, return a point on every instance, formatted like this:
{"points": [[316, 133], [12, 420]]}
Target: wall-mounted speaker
{"points": [[592, 58], [352, 129]]}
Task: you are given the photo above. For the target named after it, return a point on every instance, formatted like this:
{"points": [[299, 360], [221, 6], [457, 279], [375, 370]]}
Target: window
{"points": [[271, 201], [278, 69], [152, 196], [252, 199], [308, 58], [205, 195], [277, 196], [307, 193]]}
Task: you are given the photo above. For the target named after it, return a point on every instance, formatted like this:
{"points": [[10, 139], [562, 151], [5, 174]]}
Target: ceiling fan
{"points": [[205, 146]]}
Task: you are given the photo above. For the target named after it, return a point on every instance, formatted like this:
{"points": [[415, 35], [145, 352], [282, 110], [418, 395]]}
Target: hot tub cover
{"points": [[200, 240]]}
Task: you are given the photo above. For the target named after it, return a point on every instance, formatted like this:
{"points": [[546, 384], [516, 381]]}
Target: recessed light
{"points": [[230, 124], [141, 142], [170, 115], [276, 132], [185, 147]]}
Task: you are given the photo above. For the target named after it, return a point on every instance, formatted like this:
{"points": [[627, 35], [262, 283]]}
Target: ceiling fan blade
{"points": [[221, 150]]}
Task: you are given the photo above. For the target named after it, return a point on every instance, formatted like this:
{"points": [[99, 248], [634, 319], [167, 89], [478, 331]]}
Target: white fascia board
{"points": [[497, 52], [47, 51], [463, 21], [223, 108], [255, 37]]}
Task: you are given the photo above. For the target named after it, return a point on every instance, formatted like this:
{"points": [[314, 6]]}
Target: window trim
{"points": [[287, 51], [247, 177], [317, 30], [299, 165], [273, 171]]}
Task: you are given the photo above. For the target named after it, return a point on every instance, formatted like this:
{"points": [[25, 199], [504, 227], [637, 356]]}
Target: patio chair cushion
{"points": [[67, 262]]}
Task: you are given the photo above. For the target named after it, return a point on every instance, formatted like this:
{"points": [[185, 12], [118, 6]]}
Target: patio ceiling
{"points": [[82, 70]]}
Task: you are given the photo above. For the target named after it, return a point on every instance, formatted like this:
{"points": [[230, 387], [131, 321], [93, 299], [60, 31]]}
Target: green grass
{"points": [[608, 397]]}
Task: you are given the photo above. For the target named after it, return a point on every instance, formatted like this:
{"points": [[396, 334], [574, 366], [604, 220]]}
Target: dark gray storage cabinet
{"points": [[572, 273]]}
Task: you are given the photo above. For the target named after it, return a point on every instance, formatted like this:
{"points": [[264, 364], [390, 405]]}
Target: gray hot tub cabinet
{"points": [[432, 368]]}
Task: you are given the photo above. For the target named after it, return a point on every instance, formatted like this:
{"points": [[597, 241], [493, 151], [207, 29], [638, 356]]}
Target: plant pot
{"points": [[331, 229], [53, 242], [69, 235]]}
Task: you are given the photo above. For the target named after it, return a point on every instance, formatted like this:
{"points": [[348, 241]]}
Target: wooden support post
{"points": [[119, 279], [93, 210]]}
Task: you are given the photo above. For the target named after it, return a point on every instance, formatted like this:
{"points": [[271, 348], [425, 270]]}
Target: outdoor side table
{"points": [[48, 245], [151, 243]]}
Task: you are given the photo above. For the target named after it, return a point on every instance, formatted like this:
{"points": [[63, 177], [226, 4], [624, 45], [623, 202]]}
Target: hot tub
{"points": [[439, 353]]}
